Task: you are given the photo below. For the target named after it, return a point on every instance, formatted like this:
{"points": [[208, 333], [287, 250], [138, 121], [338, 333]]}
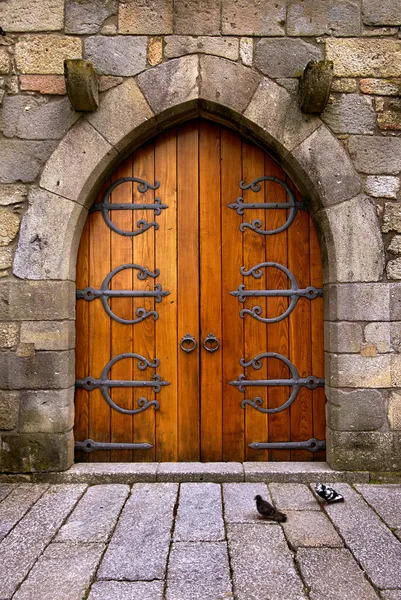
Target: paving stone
{"points": [[45, 54], [124, 590], [63, 571], [293, 496], [310, 529], [117, 55], [32, 15], [251, 17], [262, 564], [376, 155], [370, 541], [21, 548], [333, 570], [319, 17], [139, 546], [17, 504], [87, 17], [204, 501], [299, 472], [284, 57], [385, 500], [104, 473], [390, 594], [22, 160], [6, 489], [197, 17], [199, 571], [350, 113], [95, 516], [239, 502], [151, 17], [193, 471]]}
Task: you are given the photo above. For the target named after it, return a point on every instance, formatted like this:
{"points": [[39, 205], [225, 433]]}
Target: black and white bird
{"points": [[328, 494], [267, 511]]}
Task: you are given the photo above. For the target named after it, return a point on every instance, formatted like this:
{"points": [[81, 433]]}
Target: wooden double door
{"points": [[184, 303]]}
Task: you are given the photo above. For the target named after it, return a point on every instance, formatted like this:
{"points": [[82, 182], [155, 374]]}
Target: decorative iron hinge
{"points": [[256, 225], [296, 382], [104, 293], [294, 293], [313, 445], [105, 206], [91, 446]]}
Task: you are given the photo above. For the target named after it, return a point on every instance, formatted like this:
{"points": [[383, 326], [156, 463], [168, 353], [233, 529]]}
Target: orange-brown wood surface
{"points": [[199, 250]]}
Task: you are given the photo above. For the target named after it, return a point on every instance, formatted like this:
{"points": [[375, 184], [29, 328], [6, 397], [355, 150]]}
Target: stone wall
{"points": [[274, 39]]}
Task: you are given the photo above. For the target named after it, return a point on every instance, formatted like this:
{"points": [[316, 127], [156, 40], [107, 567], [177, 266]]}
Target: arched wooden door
{"points": [[192, 295]]}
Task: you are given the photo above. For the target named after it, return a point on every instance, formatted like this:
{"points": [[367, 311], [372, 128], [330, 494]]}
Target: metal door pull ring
{"points": [[188, 343], [211, 343]]}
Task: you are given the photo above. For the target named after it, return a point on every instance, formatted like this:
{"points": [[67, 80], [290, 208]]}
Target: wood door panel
{"points": [[198, 248]]}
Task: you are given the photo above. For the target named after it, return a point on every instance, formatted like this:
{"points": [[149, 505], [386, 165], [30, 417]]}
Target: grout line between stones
{"points": [[177, 501], [377, 514], [235, 597], [26, 512]]}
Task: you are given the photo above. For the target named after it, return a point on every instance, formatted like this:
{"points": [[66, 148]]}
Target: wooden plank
{"points": [[276, 251], [255, 332], [166, 326], [210, 291], [188, 291], [121, 334], [318, 395], [233, 325]]}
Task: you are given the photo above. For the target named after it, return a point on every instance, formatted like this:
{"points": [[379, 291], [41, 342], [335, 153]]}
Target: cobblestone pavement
{"points": [[197, 541]]}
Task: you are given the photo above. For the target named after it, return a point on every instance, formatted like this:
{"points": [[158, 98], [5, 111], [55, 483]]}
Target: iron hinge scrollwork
{"points": [[294, 293], [296, 382], [143, 186], [91, 446], [313, 445], [104, 383], [293, 205], [104, 293]]}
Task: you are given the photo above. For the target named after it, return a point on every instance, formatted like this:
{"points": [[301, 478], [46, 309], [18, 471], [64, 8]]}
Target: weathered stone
{"points": [[390, 594], [381, 87], [360, 410], [293, 496], [298, 472], [120, 55], [291, 84], [284, 57], [74, 168], [364, 58], [385, 500], [379, 334], [36, 118], [4, 61], [193, 471], [27, 453], [44, 84], [8, 335], [391, 217], [82, 84], [350, 113], [53, 370], [199, 571], [376, 155], [395, 302], [155, 51], [149, 17], [36, 15], [381, 12], [315, 85], [9, 226], [6, 489], [47, 300], [6, 257], [23, 160], [68, 568], [350, 450], [332, 17], [328, 569], [393, 269], [197, 17], [246, 51], [107, 82], [49, 335], [344, 85], [389, 120], [355, 371], [241, 17], [47, 411], [226, 47], [124, 590], [45, 54], [109, 27], [47, 233], [25, 350], [394, 411], [239, 501], [102, 473], [140, 543], [273, 574], [87, 16], [342, 337], [9, 409], [310, 529], [17, 504], [95, 516], [382, 186], [204, 500], [12, 194]]}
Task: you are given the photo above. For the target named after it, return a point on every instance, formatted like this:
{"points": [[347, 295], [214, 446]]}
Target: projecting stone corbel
{"points": [[315, 86], [82, 84]]}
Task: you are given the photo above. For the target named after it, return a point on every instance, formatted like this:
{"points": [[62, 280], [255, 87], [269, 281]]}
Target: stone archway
{"points": [[259, 108]]}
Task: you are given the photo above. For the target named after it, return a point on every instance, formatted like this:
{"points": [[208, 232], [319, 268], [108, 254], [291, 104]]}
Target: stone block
{"points": [[395, 302], [6, 257], [226, 47], [45, 370], [299, 472], [49, 335], [47, 411], [342, 337], [155, 51], [37, 300], [361, 302], [364, 57], [380, 87], [87, 17], [117, 55], [395, 336], [344, 85], [22, 160], [45, 54], [246, 51], [149, 17], [394, 411], [4, 61], [27, 453], [360, 410], [48, 231], [389, 120], [8, 335], [391, 217], [376, 155], [251, 17], [381, 12], [382, 186], [107, 82], [349, 450], [44, 84], [311, 530], [350, 113], [34, 15], [9, 409], [127, 590], [216, 472], [393, 269], [320, 17], [284, 57], [9, 226], [356, 371], [79, 160], [36, 118], [379, 334], [197, 17], [104, 473], [12, 194]]}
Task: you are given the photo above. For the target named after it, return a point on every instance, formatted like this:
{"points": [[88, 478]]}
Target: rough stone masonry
{"points": [[157, 56]]}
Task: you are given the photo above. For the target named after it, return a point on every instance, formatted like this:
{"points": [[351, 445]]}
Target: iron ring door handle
{"points": [[188, 343], [211, 343]]}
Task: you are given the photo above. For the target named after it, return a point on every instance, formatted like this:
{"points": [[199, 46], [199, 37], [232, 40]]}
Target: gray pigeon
{"points": [[267, 511]]}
